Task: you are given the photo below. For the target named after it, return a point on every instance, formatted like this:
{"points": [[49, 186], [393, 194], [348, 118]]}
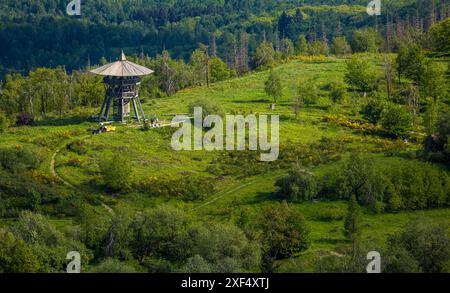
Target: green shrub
{"points": [[196, 264], [15, 255], [298, 186], [396, 121], [224, 247], [218, 70], [4, 122], [417, 186], [330, 264], [74, 161], [307, 92], [410, 185], [23, 119], [21, 191], [78, 146], [330, 214], [111, 266], [208, 106], [338, 91], [325, 150], [18, 159], [188, 188], [238, 163], [161, 232], [366, 40], [421, 246], [284, 232], [437, 147], [323, 103], [47, 243], [117, 172], [360, 74], [373, 110]]}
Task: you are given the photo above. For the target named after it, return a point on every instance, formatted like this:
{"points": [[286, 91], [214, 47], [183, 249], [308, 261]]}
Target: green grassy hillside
{"points": [[238, 196]]}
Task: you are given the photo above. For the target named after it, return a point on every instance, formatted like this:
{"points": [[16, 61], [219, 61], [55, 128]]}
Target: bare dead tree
{"points": [[213, 46], [243, 53], [388, 66]]}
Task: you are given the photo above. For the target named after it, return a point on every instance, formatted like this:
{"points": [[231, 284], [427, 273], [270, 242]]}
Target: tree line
{"points": [[169, 240], [48, 38]]}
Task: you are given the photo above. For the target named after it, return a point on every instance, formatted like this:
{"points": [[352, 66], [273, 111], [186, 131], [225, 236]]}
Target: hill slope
{"points": [[226, 187]]}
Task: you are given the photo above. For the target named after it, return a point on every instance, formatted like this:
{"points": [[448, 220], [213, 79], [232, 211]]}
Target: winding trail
{"points": [[217, 196], [62, 180], [222, 194], [56, 175], [273, 175], [53, 171]]}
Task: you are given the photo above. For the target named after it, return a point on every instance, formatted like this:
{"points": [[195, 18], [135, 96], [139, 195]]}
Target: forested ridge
{"points": [[39, 33]]}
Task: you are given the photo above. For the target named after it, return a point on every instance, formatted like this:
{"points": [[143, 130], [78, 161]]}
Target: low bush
{"points": [[188, 188], [53, 139], [18, 159], [338, 91], [421, 246], [238, 163], [373, 110], [78, 146], [25, 192], [4, 122], [285, 233], [353, 124], [309, 58], [117, 172], [23, 119], [323, 103], [111, 265], [406, 186], [208, 106], [298, 186], [73, 162], [396, 121], [325, 150], [330, 214]]}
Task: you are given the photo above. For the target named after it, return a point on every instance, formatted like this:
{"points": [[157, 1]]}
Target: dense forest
{"points": [[48, 37]]}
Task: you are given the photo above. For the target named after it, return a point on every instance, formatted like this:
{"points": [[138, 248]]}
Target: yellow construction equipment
{"points": [[110, 128], [105, 128]]}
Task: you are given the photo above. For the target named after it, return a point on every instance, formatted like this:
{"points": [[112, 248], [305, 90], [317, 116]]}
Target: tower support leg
{"points": [[122, 111], [136, 110], [108, 108], [102, 109], [140, 107]]}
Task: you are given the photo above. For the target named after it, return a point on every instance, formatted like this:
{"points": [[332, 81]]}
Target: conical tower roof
{"points": [[122, 68]]}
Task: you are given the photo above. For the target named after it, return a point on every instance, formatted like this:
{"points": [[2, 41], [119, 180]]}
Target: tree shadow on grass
{"points": [[64, 121], [259, 101], [331, 241], [262, 197]]}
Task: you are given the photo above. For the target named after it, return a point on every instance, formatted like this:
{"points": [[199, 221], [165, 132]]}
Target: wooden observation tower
{"points": [[122, 79]]}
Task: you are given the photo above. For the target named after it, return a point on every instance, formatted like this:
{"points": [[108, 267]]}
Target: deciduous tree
{"points": [[352, 222], [273, 86]]}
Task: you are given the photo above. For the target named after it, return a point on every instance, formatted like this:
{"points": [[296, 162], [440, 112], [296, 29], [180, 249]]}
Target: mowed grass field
{"points": [[235, 198]]}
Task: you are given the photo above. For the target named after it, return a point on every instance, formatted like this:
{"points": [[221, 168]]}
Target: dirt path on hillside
{"points": [[61, 179], [55, 174], [53, 171], [223, 194]]}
